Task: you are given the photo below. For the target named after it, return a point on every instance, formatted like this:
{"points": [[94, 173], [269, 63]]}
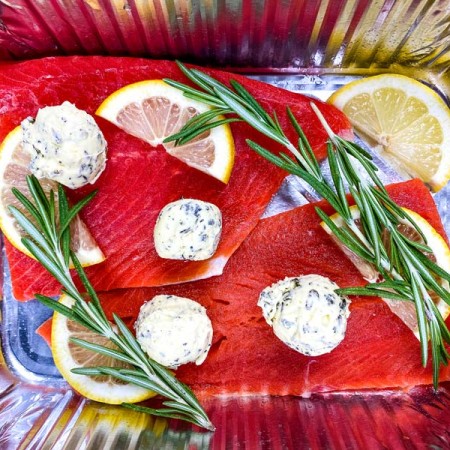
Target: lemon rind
{"points": [[435, 104], [136, 92], [431, 235], [7, 147], [83, 384]]}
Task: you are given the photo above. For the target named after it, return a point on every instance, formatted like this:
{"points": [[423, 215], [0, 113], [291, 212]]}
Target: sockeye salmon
{"points": [[378, 352], [140, 180]]}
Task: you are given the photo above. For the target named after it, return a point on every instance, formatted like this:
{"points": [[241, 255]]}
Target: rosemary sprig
{"points": [[48, 239], [407, 273]]}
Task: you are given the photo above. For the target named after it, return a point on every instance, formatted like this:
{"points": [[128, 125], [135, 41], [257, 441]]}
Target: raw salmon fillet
{"points": [[378, 351], [140, 180]]}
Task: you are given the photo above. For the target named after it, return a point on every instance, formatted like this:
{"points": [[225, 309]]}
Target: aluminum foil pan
{"points": [[309, 46], [288, 34]]}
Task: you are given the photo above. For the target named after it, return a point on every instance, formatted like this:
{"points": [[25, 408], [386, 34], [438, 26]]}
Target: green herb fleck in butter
{"points": [[188, 229], [65, 145], [174, 330], [306, 313]]}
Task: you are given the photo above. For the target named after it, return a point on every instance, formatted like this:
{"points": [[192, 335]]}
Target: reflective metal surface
{"points": [[314, 46], [47, 418], [288, 34]]}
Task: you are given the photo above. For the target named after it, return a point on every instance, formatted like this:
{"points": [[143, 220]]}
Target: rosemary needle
{"points": [[408, 275], [48, 239]]}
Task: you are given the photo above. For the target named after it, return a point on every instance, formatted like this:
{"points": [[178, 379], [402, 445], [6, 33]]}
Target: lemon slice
{"points": [[407, 120], [440, 254], [152, 111], [14, 163], [68, 356]]}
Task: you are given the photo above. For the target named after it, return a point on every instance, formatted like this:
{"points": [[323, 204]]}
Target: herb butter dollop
{"points": [[174, 330], [65, 145], [188, 229], [306, 313]]}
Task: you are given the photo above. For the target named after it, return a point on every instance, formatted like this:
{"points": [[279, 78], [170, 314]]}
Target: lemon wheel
{"points": [[404, 118], [13, 171], [440, 254], [68, 356], [152, 111]]}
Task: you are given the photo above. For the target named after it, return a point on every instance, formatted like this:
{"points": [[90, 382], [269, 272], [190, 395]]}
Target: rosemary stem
{"points": [[330, 132], [299, 157], [403, 264], [47, 239], [359, 234]]}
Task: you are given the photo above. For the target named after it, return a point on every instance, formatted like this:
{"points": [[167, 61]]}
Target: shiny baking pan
{"points": [[305, 46]]}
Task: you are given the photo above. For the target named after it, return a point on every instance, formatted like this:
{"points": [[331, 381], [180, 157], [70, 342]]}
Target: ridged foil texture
{"points": [[51, 419], [288, 34], [306, 38]]}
